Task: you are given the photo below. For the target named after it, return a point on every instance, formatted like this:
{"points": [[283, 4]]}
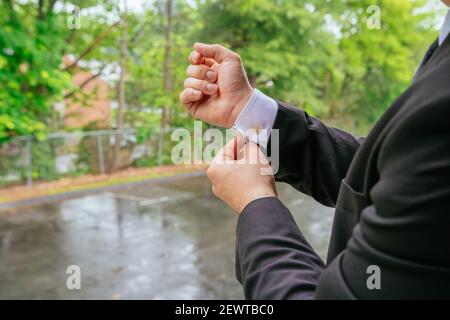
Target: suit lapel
{"points": [[357, 170], [434, 54], [427, 57]]}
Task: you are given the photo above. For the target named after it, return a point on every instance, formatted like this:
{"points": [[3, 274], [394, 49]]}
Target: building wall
{"points": [[92, 108]]}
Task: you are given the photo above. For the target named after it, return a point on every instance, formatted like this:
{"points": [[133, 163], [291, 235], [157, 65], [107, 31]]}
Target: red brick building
{"points": [[92, 107]]}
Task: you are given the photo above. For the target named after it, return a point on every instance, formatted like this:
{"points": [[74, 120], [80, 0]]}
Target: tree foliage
{"points": [[30, 77], [317, 55], [323, 56]]}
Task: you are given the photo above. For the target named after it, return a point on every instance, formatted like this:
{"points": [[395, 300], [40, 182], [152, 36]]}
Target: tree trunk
{"points": [[40, 10], [123, 55], [167, 49]]}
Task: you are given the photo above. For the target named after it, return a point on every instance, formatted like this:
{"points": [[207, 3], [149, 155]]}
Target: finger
{"points": [[195, 58], [187, 96], [210, 62], [201, 85], [230, 151], [252, 154], [201, 71], [214, 51]]}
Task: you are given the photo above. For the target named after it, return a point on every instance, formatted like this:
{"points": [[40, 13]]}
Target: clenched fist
{"points": [[217, 88]]}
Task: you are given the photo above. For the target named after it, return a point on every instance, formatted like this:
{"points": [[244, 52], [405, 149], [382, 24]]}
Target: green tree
{"points": [[380, 63], [323, 57], [156, 73], [285, 46], [34, 38], [31, 41]]}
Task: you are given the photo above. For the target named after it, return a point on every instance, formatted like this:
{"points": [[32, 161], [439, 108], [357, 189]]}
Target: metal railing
{"points": [[26, 159]]}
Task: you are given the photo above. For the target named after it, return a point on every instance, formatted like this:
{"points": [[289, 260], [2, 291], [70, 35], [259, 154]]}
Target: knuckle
{"points": [[189, 83], [190, 57], [217, 47], [194, 69], [188, 69], [203, 84], [236, 56], [203, 71], [197, 71]]}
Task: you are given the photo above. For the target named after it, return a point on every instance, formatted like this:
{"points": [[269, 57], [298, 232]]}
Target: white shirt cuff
{"points": [[256, 119]]}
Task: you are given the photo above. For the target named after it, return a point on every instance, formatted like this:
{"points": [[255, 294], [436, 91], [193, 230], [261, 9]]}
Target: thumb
{"points": [[231, 150], [253, 154], [214, 51]]}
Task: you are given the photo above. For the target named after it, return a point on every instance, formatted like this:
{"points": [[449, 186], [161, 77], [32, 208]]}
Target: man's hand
{"points": [[217, 88], [239, 174]]}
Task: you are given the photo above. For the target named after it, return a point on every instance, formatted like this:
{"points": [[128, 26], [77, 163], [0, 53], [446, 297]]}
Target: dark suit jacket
{"points": [[391, 192]]}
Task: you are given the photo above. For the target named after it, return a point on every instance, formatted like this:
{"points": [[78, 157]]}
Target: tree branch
{"points": [[85, 83], [137, 33], [92, 46]]}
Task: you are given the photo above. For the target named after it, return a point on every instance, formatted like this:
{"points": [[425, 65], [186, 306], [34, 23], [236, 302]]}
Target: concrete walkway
{"points": [[163, 239]]}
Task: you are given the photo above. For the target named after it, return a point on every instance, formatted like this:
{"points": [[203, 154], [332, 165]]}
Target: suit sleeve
{"points": [[405, 231], [313, 158], [402, 236], [273, 259]]}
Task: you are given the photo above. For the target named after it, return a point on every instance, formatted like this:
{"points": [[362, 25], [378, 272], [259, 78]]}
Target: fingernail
{"points": [[196, 56], [211, 87], [210, 75]]}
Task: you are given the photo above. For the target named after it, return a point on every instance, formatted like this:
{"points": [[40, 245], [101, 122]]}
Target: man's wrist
{"points": [[257, 193], [254, 198], [237, 110], [257, 117]]}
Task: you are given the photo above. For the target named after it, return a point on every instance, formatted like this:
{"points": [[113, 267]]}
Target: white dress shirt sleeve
{"points": [[256, 119]]}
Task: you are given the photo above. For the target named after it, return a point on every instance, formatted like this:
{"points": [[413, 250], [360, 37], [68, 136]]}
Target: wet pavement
{"points": [[168, 239]]}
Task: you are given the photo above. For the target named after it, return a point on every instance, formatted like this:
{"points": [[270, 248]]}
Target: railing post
{"points": [[101, 158], [160, 146], [29, 162]]}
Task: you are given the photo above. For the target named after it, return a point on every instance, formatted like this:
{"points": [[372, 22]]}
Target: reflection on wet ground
{"points": [[168, 239]]}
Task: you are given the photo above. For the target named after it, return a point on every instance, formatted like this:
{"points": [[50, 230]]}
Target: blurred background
{"points": [[89, 99]]}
